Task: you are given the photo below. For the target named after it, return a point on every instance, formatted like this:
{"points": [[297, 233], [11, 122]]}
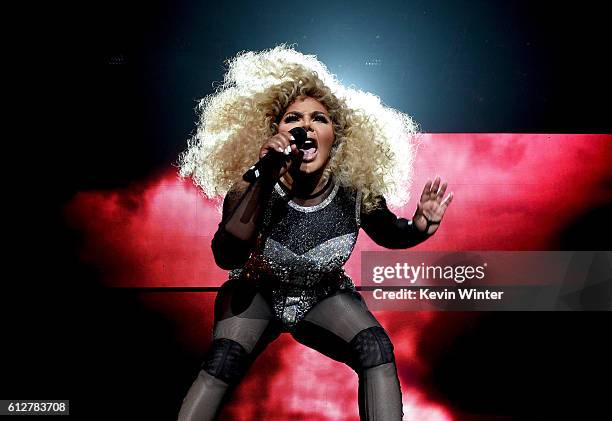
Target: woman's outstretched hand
{"points": [[431, 206]]}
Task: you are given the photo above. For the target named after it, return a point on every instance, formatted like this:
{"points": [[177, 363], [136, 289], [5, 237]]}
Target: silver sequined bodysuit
{"points": [[300, 252]]}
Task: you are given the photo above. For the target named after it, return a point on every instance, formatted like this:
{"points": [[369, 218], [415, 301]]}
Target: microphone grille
{"points": [[300, 136]]}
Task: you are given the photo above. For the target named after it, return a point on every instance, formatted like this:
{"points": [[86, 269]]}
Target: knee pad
{"points": [[226, 360], [369, 348]]}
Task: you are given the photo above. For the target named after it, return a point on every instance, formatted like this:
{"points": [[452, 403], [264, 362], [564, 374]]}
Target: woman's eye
{"points": [[291, 118]]}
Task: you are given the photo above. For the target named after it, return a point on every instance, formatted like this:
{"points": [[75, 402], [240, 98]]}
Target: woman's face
{"points": [[310, 114]]}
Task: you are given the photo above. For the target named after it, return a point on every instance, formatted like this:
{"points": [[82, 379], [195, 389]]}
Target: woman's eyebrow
{"points": [[299, 114]]}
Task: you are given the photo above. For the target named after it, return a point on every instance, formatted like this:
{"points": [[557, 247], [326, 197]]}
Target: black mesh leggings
{"points": [[339, 326]]}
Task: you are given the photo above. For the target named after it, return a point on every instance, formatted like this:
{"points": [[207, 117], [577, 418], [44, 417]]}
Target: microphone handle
{"points": [[264, 165]]}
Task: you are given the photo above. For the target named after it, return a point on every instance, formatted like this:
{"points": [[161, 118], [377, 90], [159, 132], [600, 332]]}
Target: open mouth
{"points": [[310, 150]]}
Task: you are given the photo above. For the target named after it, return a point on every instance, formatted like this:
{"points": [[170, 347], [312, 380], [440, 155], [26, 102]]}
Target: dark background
{"points": [[106, 94]]}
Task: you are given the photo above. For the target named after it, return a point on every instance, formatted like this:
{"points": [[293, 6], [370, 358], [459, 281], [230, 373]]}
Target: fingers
{"points": [[432, 189], [283, 140], [280, 142], [426, 190], [441, 192], [288, 148], [435, 186], [448, 200]]}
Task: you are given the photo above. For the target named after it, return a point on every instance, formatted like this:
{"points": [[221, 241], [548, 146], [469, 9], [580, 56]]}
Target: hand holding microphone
{"points": [[277, 153]]}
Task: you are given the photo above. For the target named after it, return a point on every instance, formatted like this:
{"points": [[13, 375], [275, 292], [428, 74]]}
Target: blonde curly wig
{"points": [[374, 145]]}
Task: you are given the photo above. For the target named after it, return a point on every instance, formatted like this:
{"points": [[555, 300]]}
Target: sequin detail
{"points": [[299, 256], [315, 262], [313, 208]]}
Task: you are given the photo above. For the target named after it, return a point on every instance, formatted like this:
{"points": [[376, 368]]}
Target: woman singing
{"points": [[286, 236]]}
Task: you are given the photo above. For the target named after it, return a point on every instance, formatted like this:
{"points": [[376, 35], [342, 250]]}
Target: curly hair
{"points": [[374, 145]]}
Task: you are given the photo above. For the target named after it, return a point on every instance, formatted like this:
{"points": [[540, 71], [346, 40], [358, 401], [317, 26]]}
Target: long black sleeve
{"points": [[237, 233], [387, 230]]}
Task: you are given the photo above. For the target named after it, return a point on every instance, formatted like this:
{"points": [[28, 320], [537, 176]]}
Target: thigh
{"points": [[244, 316], [331, 324]]}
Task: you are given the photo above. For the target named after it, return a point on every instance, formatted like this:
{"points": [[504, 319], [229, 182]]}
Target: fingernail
{"points": [[292, 138]]}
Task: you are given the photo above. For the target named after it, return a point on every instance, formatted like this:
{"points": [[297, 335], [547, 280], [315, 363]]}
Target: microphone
{"points": [[274, 158]]}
